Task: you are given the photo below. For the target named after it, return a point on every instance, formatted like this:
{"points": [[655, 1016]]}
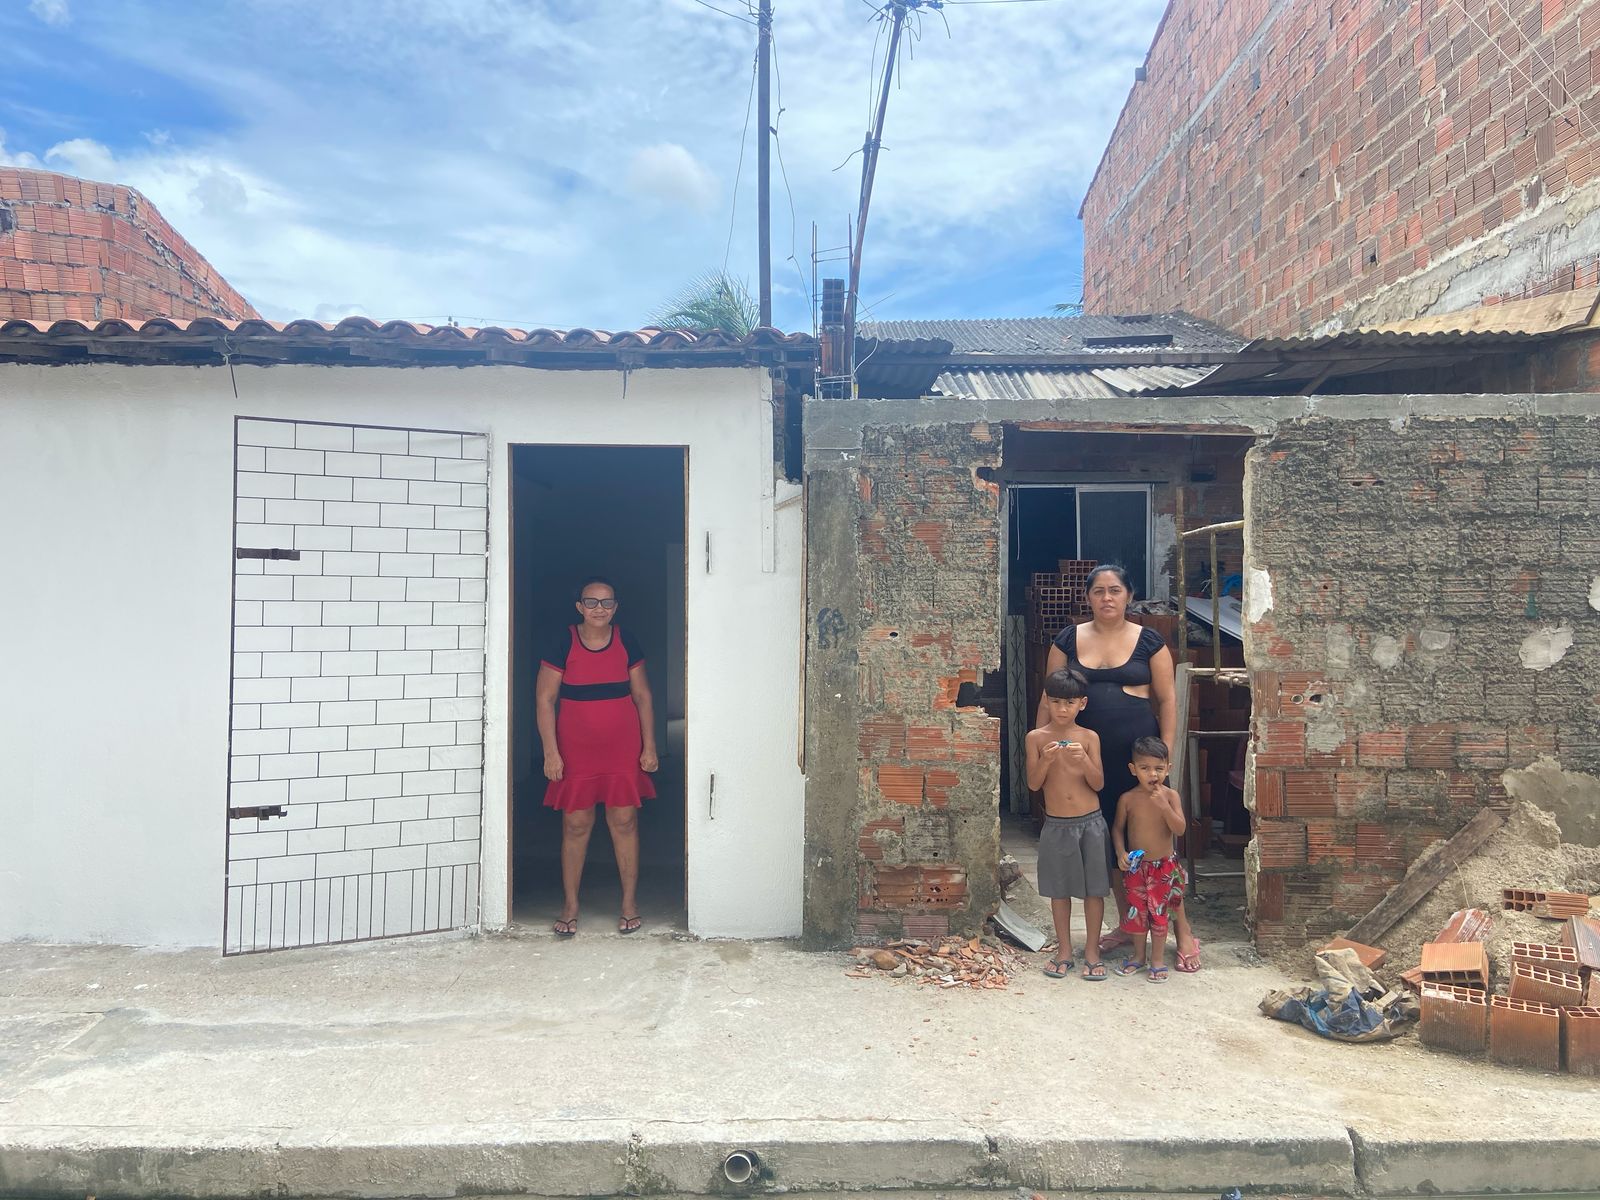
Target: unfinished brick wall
{"points": [[927, 810], [1286, 164], [71, 248], [1417, 575]]}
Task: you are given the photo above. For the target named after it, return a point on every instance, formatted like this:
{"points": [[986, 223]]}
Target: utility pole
{"points": [[869, 167], [764, 185]]}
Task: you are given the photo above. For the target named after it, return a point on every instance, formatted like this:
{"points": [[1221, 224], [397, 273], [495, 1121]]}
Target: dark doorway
{"points": [[618, 512]]}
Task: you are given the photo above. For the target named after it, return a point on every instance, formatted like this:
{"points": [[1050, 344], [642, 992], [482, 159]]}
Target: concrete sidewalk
{"points": [[514, 1063]]}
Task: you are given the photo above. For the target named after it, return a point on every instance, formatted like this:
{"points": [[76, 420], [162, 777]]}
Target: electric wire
{"points": [[724, 12], [739, 171], [777, 143]]}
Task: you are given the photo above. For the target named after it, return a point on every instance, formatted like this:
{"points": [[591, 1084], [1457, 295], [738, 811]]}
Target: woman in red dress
{"points": [[597, 721]]}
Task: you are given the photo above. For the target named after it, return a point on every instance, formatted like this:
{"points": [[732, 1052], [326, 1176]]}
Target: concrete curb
{"points": [[607, 1158], [615, 1158], [1396, 1166]]}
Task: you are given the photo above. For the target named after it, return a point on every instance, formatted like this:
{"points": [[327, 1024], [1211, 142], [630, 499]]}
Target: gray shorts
{"points": [[1074, 857]]}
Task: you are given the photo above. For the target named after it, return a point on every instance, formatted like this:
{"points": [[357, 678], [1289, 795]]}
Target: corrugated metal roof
{"points": [[1061, 383], [1556, 313], [359, 339], [1062, 335]]}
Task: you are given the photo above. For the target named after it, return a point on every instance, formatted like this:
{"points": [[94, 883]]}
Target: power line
{"points": [[724, 12], [777, 141], [739, 171]]}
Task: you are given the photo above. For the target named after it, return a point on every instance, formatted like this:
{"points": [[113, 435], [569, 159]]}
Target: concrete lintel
{"points": [[835, 426]]}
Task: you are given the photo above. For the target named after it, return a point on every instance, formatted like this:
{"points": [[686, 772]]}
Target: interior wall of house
{"points": [[617, 512], [118, 652]]}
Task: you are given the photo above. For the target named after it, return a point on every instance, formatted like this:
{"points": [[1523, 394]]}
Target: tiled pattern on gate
{"points": [[357, 683]]}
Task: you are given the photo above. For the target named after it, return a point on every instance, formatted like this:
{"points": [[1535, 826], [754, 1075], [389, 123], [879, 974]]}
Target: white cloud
{"points": [[669, 175], [83, 157], [51, 12], [19, 158], [544, 162]]}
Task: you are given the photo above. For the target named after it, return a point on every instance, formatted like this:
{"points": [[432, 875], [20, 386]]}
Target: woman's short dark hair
{"points": [[590, 582], [1117, 569]]}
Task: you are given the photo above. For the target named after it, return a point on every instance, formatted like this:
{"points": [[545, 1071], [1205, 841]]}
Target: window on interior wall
{"points": [[1107, 522]]}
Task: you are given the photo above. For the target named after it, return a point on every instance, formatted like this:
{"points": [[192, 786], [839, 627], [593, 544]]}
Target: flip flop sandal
{"points": [[1190, 963], [565, 928], [1158, 974], [1094, 972], [628, 925], [1130, 967], [1059, 968], [1111, 941]]}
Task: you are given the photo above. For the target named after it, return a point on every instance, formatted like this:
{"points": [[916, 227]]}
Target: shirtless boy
{"points": [[1148, 817], [1064, 761]]}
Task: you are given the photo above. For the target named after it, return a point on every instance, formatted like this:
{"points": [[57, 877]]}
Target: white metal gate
{"points": [[356, 754]]}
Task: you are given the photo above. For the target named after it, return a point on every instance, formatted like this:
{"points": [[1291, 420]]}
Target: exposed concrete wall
{"points": [[1291, 165], [1429, 638], [1396, 544], [921, 530]]}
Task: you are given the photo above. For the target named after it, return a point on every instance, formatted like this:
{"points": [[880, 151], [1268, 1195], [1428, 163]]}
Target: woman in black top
{"points": [[1131, 695]]}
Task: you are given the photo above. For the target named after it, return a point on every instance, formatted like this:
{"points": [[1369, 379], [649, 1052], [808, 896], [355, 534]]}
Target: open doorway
{"points": [[617, 512], [1071, 499]]}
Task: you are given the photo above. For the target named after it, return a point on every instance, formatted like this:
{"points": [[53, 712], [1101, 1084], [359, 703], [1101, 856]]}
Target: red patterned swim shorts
{"points": [[1154, 887]]}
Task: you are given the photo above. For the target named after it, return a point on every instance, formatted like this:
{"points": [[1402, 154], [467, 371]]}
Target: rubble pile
{"points": [[950, 962]]}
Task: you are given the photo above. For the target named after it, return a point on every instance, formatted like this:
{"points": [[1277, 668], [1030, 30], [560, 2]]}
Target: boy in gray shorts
{"points": [[1064, 762]]}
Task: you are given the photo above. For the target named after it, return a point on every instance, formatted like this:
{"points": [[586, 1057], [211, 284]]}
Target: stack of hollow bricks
{"points": [[928, 766], [73, 249], [1285, 162], [1408, 565]]}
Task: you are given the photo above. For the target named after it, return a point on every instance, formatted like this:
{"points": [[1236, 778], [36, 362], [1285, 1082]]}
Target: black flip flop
{"points": [[627, 925], [571, 929]]}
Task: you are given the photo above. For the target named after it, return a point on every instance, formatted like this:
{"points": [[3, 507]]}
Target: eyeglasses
{"points": [[590, 602]]}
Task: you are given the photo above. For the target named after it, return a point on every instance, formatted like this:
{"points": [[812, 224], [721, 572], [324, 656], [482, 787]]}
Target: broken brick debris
{"points": [[1466, 925], [1525, 1033], [948, 962], [1465, 964], [1454, 1018], [1580, 1040], [1559, 988], [1371, 956], [1551, 905]]}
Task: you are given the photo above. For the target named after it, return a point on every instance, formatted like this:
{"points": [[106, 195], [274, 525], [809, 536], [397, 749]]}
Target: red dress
{"points": [[597, 726]]}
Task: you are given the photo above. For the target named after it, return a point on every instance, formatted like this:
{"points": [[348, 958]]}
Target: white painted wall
{"points": [[117, 485]]}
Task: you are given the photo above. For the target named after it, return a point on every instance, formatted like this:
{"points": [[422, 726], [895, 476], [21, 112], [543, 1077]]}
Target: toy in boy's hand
{"points": [[1133, 859], [1065, 744]]}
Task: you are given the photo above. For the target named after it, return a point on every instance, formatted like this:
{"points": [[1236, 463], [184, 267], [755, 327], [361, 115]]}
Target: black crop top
{"points": [[1133, 673]]}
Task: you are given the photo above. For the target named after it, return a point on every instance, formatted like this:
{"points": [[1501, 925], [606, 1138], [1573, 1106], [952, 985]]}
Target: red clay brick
{"points": [[1465, 964], [1466, 925], [1524, 1034], [1580, 1040], [1543, 954], [1454, 1018], [903, 785], [1545, 986]]}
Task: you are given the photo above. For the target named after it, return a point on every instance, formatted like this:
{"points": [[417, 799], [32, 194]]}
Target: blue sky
{"points": [[572, 162]]}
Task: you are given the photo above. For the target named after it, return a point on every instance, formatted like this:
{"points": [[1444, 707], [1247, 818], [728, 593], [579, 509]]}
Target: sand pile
{"points": [[1527, 853]]}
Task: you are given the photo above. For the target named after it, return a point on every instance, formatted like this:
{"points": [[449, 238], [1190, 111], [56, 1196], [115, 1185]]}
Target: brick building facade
{"points": [[1420, 620], [1290, 167], [72, 248]]}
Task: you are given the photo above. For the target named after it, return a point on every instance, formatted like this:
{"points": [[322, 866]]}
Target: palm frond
{"points": [[714, 300]]}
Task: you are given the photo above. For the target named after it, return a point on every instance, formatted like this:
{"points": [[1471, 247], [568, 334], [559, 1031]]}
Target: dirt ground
{"points": [[1527, 853]]}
